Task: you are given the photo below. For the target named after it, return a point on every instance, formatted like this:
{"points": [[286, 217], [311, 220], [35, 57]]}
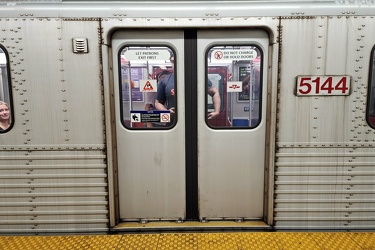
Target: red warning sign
{"points": [[165, 117], [148, 86]]}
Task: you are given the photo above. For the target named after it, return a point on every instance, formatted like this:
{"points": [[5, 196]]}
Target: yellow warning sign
{"points": [[148, 86]]}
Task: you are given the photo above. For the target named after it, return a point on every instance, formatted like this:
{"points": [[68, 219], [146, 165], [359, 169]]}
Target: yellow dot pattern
{"points": [[196, 241]]}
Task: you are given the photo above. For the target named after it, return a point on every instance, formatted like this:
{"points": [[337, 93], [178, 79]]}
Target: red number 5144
{"points": [[323, 85]]}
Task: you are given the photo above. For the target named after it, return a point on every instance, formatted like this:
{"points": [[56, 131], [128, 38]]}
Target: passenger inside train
{"points": [[4, 116], [5, 113], [151, 97], [150, 100], [165, 99], [214, 93]]}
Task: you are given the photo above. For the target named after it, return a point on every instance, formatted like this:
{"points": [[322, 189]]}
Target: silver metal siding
{"points": [[324, 176], [186, 9], [53, 162]]}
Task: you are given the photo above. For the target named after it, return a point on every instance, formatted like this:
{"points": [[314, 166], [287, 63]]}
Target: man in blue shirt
{"points": [[165, 97]]}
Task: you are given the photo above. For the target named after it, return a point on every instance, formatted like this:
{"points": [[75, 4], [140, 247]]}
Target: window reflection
{"points": [[148, 92], [371, 96], [5, 97], [235, 71]]}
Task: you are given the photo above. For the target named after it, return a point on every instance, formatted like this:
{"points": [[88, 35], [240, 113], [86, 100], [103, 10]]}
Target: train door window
{"points": [[233, 86], [6, 120], [371, 94], [147, 87]]}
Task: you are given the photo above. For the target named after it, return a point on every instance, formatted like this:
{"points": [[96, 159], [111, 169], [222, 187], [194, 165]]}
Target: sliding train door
{"points": [[190, 126], [231, 146], [150, 142]]}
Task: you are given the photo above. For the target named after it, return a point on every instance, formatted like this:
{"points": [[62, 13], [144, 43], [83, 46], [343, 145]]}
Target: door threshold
{"points": [[191, 226]]}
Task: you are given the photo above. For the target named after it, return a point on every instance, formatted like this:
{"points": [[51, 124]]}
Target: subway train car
{"points": [[187, 115]]}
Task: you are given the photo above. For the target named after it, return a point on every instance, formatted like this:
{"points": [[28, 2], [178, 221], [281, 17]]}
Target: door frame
{"points": [[270, 136]]}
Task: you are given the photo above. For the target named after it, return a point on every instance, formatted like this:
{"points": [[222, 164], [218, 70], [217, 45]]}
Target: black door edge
{"points": [[191, 132]]}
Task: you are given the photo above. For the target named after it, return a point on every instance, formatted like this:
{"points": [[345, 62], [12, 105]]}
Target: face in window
{"points": [[4, 116]]}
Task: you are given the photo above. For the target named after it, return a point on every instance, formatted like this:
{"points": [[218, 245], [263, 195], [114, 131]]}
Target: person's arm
{"points": [[214, 93], [159, 105], [161, 98]]}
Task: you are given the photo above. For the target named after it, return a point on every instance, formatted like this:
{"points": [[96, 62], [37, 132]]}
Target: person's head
{"points": [[4, 112], [171, 58]]}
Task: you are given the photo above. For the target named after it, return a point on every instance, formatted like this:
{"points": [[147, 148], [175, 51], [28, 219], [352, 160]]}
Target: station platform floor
{"points": [[198, 241]]}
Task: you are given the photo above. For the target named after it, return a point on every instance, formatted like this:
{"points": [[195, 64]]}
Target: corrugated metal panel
{"points": [[332, 192], [325, 171], [68, 193]]}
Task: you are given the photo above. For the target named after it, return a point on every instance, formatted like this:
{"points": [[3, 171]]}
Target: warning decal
{"points": [[141, 55], [150, 116], [233, 54], [165, 117], [148, 86], [135, 117]]}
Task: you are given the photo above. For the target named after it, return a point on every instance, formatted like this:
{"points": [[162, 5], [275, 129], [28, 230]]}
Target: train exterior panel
{"points": [[325, 145], [53, 160], [293, 147]]}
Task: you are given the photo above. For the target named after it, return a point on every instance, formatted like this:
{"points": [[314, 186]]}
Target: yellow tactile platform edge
{"points": [[200, 241]]}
